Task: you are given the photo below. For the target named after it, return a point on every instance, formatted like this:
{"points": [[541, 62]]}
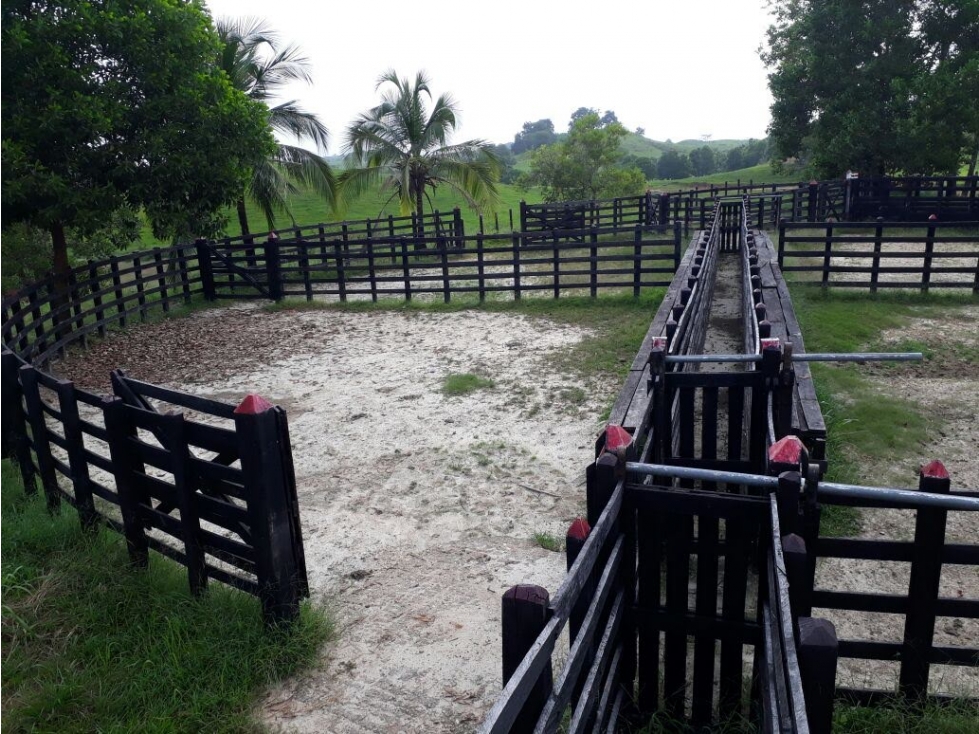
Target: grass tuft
{"points": [[458, 384], [547, 541], [90, 644]]}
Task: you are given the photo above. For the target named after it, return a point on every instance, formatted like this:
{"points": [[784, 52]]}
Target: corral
{"points": [[509, 472]]}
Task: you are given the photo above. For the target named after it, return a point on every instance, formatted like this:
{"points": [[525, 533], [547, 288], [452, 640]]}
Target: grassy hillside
{"points": [[307, 208], [762, 173]]}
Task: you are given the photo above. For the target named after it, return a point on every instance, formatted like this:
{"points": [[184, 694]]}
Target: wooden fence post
{"points": [[515, 240], [39, 436], [265, 466], [459, 228], [677, 245], [812, 215], [926, 571], [929, 252], [207, 269], [11, 400], [120, 428], [818, 652], [81, 483], [827, 254], [525, 614], [13, 405], [593, 262], [875, 264], [273, 266], [523, 216], [637, 262], [664, 208]]}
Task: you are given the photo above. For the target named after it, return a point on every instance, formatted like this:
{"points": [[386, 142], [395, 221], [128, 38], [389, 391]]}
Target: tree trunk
{"points": [[243, 220], [419, 201], [975, 155]]}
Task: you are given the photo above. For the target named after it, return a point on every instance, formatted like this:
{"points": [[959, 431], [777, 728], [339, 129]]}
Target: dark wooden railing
{"points": [[631, 561], [570, 262], [922, 255]]}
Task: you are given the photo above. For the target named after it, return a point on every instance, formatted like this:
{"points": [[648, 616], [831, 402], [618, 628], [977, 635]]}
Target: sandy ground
{"points": [[418, 509]]}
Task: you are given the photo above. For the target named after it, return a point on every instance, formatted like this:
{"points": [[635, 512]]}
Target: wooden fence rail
{"points": [[480, 265], [921, 255], [166, 482]]}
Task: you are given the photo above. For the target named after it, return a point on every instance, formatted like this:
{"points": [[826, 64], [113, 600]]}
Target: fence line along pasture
{"points": [[931, 254], [568, 261]]}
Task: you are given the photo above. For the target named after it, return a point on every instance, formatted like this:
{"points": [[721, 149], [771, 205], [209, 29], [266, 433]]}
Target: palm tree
{"points": [[259, 65], [403, 147]]}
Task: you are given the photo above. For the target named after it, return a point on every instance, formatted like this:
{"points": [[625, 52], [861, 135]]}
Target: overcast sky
{"points": [[679, 70]]}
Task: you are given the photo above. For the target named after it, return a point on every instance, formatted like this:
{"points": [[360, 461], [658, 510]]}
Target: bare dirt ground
{"points": [[418, 509]]}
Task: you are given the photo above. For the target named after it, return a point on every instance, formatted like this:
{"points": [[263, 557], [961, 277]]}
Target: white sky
{"points": [[680, 69]]}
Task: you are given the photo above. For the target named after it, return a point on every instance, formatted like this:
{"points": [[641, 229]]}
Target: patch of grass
{"points": [[867, 429], [547, 541], [90, 644], [957, 717], [458, 384]]}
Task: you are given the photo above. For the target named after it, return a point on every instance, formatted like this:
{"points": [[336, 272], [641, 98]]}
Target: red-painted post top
{"points": [[616, 437], [579, 529], [787, 450], [253, 405], [771, 343], [934, 470]]}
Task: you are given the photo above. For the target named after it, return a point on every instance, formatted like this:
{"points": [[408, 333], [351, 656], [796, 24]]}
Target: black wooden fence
{"points": [[541, 220], [570, 262], [925, 255], [727, 561], [164, 481], [215, 493]]}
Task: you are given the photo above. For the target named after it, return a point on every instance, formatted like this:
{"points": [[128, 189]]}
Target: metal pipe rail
{"points": [[805, 357], [908, 498]]}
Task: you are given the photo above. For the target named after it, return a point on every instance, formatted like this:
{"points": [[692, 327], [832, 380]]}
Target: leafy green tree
{"points": [[734, 159], [507, 160], [261, 65], [119, 104], [404, 147], [533, 136], [644, 163], [673, 164], [703, 161], [878, 86], [584, 166]]}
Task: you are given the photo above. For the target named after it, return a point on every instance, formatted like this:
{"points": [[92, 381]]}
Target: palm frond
{"points": [[289, 118]]}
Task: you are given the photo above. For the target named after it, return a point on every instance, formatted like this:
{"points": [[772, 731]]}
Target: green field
{"points": [[307, 208], [761, 173]]}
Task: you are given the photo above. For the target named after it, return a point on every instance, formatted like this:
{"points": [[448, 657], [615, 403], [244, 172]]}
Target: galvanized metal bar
{"points": [[906, 497], [805, 357], [709, 475], [860, 357]]}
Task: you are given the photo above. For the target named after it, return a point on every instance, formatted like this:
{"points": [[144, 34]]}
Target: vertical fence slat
{"points": [[161, 279], [516, 240], [39, 435], [81, 483], [923, 588], [125, 465], [174, 428], [266, 488]]}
